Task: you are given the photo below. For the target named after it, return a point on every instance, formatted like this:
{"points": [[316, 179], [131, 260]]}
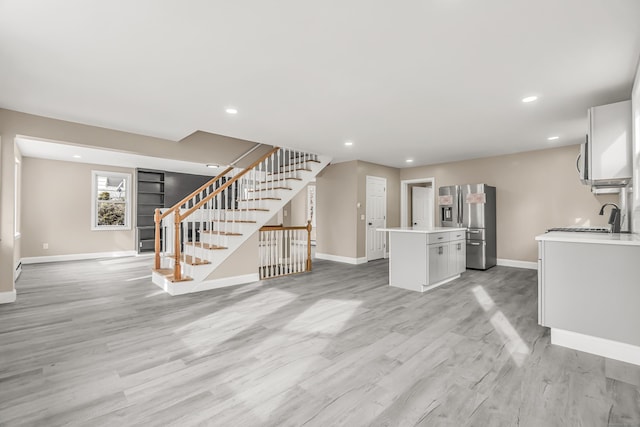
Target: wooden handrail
{"points": [[196, 192], [280, 227], [227, 184]]}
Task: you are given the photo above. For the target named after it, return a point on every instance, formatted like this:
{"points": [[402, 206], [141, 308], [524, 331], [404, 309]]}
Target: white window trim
{"points": [[94, 202], [17, 199]]}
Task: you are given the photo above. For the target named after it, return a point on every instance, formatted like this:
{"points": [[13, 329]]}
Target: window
{"points": [[111, 201]]}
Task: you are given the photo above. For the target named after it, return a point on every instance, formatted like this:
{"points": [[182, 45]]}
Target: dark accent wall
{"points": [[178, 185]]}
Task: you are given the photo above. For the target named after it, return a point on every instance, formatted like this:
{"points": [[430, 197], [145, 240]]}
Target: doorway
{"points": [[376, 217], [417, 203]]}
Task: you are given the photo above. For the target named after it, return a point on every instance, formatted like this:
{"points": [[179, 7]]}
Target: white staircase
{"points": [[203, 230]]}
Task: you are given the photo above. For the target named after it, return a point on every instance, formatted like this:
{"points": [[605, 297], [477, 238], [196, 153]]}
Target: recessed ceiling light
{"points": [[348, 143], [409, 160], [553, 138], [529, 98], [77, 156], [231, 110], [213, 166]]}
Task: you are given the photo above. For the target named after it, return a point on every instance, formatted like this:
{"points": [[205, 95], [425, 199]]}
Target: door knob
{"points": [[370, 223]]}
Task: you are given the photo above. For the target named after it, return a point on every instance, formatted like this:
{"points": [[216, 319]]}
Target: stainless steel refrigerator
{"points": [[472, 206]]}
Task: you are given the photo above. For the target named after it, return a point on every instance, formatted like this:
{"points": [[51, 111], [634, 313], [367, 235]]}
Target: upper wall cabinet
{"points": [[605, 158]]}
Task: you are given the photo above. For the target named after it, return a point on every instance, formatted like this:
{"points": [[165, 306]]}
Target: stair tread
{"points": [[260, 198], [291, 170], [195, 260], [168, 274], [247, 209], [205, 246], [301, 162], [221, 233], [244, 221], [269, 189], [276, 180]]}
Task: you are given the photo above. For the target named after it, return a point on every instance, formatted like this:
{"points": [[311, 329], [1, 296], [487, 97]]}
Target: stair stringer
{"points": [[200, 273]]}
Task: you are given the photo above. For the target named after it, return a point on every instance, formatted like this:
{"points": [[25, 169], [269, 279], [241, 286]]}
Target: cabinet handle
{"points": [[440, 250]]}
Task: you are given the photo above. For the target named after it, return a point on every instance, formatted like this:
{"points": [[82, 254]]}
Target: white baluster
{"points": [[215, 237], [290, 254]]}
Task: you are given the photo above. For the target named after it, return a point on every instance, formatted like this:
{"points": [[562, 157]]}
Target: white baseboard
{"points": [[344, 259], [7, 297], [77, 257], [518, 264], [600, 346], [190, 287]]}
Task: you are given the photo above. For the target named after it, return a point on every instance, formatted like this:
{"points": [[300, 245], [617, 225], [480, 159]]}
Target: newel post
{"points": [[157, 220], [309, 245], [177, 274]]}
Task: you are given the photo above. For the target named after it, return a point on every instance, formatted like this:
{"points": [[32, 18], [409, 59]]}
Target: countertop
{"points": [[421, 230], [597, 238]]}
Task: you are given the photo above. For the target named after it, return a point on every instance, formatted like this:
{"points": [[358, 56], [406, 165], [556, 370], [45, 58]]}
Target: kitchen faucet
{"points": [[614, 217]]}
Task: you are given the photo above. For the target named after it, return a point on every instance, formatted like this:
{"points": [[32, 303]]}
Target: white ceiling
{"points": [[433, 80], [72, 153]]}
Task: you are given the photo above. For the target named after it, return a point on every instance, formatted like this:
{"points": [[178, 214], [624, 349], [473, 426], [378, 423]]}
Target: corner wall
{"points": [[339, 189], [336, 195], [536, 190]]}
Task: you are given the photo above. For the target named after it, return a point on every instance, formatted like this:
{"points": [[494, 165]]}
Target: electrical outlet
{"points": [[45, 246], [361, 217], [285, 212]]}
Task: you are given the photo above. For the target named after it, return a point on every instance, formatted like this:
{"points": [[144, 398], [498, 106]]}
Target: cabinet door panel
{"points": [[438, 262]]}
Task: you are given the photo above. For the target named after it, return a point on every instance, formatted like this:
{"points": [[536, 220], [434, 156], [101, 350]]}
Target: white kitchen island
{"points": [[589, 292], [423, 258]]}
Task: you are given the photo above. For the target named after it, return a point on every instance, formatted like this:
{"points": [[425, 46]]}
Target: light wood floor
{"points": [[95, 343]]}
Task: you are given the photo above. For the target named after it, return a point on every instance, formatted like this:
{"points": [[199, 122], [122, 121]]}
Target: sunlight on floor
{"points": [[514, 344], [232, 320], [156, 293], [518, 349], [483, 298], [327, 316], [266, 394], [138, 278]]}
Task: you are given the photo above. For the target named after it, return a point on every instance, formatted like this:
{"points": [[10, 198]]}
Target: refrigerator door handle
{"points": [[461, 207]]}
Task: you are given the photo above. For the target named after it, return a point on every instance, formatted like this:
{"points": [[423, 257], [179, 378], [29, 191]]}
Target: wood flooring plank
{"points": [[96, 343]]}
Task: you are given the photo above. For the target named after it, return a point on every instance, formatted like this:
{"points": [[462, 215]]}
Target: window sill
{"points": [[125, 228]]}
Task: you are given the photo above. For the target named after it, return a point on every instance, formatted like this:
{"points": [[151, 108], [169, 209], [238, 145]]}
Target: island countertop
{"points": [[597, 238], [421, 230]]}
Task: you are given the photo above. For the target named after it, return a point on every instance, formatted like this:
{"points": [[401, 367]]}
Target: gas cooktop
{"points": [[582, 229]]}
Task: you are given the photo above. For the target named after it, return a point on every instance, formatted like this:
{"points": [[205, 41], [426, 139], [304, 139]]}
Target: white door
{"points": [[376, 217], [422, 206]]}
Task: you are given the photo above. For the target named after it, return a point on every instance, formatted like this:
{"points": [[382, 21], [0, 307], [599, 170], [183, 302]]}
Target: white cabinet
{"points": [[438, 255], [606, 158], [457, 257], [590, 289], [421, 260]]}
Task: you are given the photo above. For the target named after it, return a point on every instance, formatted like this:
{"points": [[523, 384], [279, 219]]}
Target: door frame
{"points": [[366, 234], [404, 198]]}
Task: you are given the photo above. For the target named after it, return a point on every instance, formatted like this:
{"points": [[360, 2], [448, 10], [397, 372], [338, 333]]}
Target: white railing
{"points": [[204, 221], [284, 250]]}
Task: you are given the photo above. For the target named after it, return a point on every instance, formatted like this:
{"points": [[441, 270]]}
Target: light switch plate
{"points": [[362, 217]]}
